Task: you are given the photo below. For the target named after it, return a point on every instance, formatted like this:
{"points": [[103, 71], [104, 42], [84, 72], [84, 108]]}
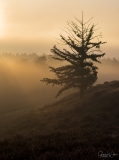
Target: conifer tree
{"points": [[84, 50]]}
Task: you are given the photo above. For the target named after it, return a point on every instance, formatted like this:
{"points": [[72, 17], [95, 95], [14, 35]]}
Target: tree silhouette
{"points": [[84, 50]]}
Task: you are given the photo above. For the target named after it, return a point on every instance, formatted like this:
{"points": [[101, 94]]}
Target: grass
{"points": [[57, 146], [71, 128]]}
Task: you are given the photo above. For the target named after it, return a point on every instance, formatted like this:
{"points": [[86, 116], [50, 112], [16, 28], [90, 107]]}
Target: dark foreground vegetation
{"points": [[71, 128], [59, 146]]}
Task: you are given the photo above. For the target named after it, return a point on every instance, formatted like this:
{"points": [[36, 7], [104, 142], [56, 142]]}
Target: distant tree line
{"points": [[44, 58], [23, 57], [111, 61]]}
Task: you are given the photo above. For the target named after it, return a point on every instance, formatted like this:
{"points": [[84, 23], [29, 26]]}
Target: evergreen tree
{"points": [[84, 50]]}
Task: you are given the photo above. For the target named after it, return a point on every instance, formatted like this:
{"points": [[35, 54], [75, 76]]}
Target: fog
{"points": [[20, 76], [108, 70], [20, 85]]}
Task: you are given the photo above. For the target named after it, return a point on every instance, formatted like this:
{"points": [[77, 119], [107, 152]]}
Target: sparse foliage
{"points": [[84, 50]]}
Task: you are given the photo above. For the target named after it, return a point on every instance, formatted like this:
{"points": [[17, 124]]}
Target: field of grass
{"points": [[71, 128], [98, 109], [73, 145]]}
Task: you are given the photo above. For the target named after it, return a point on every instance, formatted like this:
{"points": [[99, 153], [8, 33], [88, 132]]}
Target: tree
{"points": [[84, 49], [41, 60]]}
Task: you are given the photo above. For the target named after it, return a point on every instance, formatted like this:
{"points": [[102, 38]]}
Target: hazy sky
{"points": [[33, 25]]}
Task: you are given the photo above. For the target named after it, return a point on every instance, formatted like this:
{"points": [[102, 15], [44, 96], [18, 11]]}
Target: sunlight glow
{"points": [[1, 23]]}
